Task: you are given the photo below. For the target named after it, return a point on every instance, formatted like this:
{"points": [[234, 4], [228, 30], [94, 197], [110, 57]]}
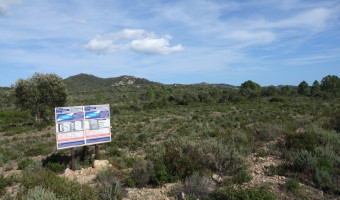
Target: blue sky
{"points": [[271, 42]]}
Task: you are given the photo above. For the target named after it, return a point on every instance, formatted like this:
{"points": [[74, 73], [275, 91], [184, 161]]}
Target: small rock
{"points": [[217, 178], [67, 171], [101, 164]]}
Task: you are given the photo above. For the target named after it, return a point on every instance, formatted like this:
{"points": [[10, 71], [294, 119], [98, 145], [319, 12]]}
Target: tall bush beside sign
{"points": [[82, 125]]}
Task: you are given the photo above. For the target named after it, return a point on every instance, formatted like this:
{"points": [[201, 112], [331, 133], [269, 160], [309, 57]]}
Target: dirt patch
{"points": [[160, 193]]}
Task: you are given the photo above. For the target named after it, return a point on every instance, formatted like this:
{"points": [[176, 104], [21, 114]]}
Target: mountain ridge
{"points": [[91, 82]]}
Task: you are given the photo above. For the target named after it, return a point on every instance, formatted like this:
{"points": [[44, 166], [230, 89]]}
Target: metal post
{"points": [[83, 153], [73, 160], [96, 151]]}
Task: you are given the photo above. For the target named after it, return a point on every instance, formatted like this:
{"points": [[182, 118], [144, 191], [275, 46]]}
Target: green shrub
{"points": [[293, 185], [177, 159], [62, 187], [23, 164], [277, 99], [197, 186], [267, 132], [142, 137], [303, 140], [108, 185], [303, 161], [5, 182], [336, 121], [242, 177], [56, 167], [130, 182], [142, 172], [323, 178], [56, 162], [280, 170], [110, 190], [161, 175], [1, 160], [230, 193], [39, 193], [185, 157], [113, 151], [35, 151]]}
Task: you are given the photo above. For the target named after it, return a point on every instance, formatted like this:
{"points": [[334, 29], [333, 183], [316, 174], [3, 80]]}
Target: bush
{"points": [[293, 185], [141, 173], [5, 182], [230, 193], [110, 190], [56, 162], [62, 187], [39, 193], [276, 99], [299, 141], [23, 164], [56, 167], [277, 170], [323, 178], [108, 185], [198, 187], [242, 177], [303, 161], [1, 160], [267, 132], [186, 157]]}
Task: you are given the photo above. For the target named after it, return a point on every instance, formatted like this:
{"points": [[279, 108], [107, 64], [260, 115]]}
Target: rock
{"points": [[100, 164], [217, 178], [67, 172]]}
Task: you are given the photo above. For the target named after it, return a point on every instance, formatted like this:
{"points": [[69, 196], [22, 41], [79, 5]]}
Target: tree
{"points": [[150, 95], [315, 88], [99, 97], [269, 91], [40, 93], [303, 88], [250, 89], [286, 90], [330, 84], [251, 86]]}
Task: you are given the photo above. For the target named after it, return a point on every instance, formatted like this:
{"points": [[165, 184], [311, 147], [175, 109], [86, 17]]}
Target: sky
{"points": [[271, 42]]}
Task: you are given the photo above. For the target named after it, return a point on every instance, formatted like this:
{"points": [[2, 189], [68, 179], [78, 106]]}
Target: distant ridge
{"points": [[86, 82]]}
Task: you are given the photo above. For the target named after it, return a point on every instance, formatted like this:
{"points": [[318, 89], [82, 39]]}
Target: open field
{"points": [[179, 142], [154, 146]]}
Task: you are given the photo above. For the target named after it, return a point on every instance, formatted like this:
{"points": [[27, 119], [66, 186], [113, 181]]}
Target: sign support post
{"points": [[83, 153], [73, 160], [97, 151]]}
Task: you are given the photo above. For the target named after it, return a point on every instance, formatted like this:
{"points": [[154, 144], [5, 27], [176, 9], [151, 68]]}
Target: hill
{"points": [[87, 82]]}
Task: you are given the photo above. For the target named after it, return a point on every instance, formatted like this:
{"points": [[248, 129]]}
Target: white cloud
{"points": [[4, 6], [154, 46], [315, 19], [136, 40]]}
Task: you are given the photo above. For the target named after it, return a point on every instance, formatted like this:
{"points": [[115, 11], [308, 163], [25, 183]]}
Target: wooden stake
{"points": [[73, 160], [96, 151], [83, 153]]}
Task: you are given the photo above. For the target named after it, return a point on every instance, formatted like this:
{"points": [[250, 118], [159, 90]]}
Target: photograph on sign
{"points": [[82, 125]]}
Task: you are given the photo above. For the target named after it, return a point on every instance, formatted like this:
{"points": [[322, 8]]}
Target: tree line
{"points": [[41, 93]]}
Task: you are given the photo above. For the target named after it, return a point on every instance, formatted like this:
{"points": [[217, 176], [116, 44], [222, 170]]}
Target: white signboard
{"points": [[82, 125]]}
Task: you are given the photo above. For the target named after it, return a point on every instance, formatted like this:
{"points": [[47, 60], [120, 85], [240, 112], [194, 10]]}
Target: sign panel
{"points": [[82, 125]]}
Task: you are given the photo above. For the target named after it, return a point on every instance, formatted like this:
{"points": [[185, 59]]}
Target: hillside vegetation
{"points": [[207, 138]]}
